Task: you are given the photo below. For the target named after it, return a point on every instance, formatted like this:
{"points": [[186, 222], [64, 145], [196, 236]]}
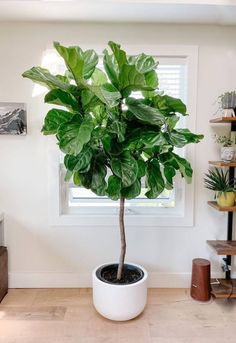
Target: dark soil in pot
{"points": [[108, 273]]}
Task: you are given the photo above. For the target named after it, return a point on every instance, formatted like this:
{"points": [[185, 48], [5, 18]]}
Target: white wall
{"points": [[41, 255]]}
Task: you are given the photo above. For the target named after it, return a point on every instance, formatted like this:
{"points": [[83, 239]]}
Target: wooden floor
{"points": [[67, 316]]}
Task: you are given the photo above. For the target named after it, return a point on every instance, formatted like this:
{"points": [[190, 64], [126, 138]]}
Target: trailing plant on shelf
{"points": [[227, 100], [227, 150], [106, 130], [223, 140], [218, 181]]}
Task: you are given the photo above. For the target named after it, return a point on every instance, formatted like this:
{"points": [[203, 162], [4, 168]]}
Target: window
{"points": [[79, 206]]}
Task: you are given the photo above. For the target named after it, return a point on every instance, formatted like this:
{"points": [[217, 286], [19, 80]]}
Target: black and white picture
{"points": [[13, 118]]}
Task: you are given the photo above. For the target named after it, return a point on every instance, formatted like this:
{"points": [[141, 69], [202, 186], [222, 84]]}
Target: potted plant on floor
{"points": [[105, 130], [218, 181]]}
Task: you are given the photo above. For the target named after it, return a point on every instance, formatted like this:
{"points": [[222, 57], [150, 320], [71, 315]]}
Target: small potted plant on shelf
{"points": [[112, 140], [217, 180], [227, 152], [227, 102]]}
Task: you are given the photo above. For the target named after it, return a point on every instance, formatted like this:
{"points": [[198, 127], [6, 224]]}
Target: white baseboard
{"points": [[76, 280]]}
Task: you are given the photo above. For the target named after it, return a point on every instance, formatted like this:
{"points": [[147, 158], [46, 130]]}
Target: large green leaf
{"points": [[114, 187], [132, 80], [132, 191], [151, 138], [81, 64], [179, 163], [98, 174], [169, 105], [62, 98], [169, 172], [111, 69], [125, 167], [107, 93], [43, 77], [144, 113], [73, 136], [119, 54], [80, 162], [143, 63], [154, 179], [99, 77], [54, 119]]}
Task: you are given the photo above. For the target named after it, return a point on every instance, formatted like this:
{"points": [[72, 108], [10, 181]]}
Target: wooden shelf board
{"points": [[223, 290], [221, 209], [223, 120], [223, 247], [223, 163]]}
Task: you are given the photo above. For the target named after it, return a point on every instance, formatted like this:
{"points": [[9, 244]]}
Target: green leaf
{"points": [[181, 137], [72, 137], [154, 179], [43, 77], [107, 93], [176, 105], [141, 168], [132, 80], [62, 98], [169, 172], [119, 54], [144, 113], [114, 187], [99, 77], [119, 129], [80, 162], [132, 191], [54, 119], [151, 138], [76, 179], [98, 174], [111, 69], [172, 121], [125, 167], [81, 64], [184, 167], [143, 63], [179, 163]]}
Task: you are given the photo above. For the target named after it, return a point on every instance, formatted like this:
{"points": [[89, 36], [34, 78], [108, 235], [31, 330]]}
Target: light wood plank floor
{"points": [[67, 316]]}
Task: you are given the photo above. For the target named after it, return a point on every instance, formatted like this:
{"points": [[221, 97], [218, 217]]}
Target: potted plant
{"points": [[227, 150], [228, 103], [105, 130], [218, 181]]}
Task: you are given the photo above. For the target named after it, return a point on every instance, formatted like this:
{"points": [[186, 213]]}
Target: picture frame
{"points": [[13, 118]]}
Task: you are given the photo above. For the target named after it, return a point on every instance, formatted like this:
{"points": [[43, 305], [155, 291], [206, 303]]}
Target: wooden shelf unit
{"points": [[222, 163], [223, 288], [221, 209], [223, 247], [223, 120]]}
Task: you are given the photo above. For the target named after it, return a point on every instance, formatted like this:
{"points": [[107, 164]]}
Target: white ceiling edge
{"points": [[144, 11]]}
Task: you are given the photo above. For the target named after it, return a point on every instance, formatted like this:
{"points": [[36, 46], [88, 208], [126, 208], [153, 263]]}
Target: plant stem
{"points": [[122, 239]]}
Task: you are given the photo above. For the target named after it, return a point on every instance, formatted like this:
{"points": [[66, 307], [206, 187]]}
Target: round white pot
{"points": [[119, 301], [227, 153]]}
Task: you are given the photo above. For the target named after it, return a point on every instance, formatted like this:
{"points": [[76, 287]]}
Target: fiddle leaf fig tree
{"points": [[111, 139]]}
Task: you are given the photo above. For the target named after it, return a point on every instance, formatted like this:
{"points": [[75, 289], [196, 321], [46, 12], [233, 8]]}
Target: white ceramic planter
{"points": [[120, 302], [227, 153]]}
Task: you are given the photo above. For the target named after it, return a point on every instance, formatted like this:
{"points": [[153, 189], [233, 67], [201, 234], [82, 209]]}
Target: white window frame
{"points": [[181, 215]]}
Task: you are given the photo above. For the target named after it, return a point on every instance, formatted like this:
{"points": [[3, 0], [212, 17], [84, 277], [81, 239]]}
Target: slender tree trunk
{"points": [[122, 239]]}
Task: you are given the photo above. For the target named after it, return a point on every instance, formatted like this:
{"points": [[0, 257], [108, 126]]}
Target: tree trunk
{"points": [[122, 239]]}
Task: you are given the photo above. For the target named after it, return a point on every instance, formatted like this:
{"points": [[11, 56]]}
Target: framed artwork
{"points": [[13, 119]]}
